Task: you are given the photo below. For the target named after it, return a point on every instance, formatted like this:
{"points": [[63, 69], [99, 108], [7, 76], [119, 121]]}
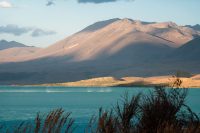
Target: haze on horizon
{"points": [[42, 22]]}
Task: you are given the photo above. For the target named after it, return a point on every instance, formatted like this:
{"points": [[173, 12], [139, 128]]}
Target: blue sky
{"points": [[41, 25]]}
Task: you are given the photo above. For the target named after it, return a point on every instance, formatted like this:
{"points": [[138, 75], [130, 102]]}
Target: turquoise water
{"points": [[22, 103]]}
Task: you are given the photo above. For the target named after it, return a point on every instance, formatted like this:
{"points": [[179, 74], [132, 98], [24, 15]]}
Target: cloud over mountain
{"points": [[40, 32], [14, 29], [18, 31]]}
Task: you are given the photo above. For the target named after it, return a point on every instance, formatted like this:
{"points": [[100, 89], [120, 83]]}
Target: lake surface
{"points": [[22, 103]]}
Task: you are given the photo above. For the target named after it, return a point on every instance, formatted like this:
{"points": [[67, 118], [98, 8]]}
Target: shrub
{"points": [[165, 111]]}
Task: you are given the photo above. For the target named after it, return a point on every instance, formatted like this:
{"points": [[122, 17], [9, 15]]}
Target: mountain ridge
{"points": [[126, 25], [195, 27], [116, 47], [10, 44]]}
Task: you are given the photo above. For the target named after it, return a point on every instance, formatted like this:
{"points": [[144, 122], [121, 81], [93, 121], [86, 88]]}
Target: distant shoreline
{"points": [[191, 82]]}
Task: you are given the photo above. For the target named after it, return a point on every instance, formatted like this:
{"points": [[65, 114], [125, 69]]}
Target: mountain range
{"points": [[116, 47], [9, 51], [195, 27], [5, 44]]}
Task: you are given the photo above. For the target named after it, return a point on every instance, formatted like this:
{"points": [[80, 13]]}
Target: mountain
{"points": [[12, 51], [5, 44], [104, 42], [98, 25], [11, 54], [116, 47], [188, 52], [106, 38], [195, 27]]}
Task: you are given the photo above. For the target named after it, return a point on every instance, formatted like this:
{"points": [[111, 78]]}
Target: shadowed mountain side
{"points": [[195, 27], [129, 48], [191, 50], [188, 52], [5, 44], [54, 70], [60, 69]]}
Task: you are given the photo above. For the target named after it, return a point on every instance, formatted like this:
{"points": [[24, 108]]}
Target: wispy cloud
{"points": [[99, 1], [50, 3], [5, 4], [18, 31], [14, 29], [40, 32]]}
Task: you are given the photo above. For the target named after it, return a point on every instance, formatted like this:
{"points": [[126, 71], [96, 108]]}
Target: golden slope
{"points": [[131, 81]]}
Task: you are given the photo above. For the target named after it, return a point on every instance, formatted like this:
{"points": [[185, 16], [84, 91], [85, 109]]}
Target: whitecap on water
{"points": [[56, 90]]}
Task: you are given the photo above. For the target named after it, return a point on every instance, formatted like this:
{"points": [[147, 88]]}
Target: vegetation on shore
{"points": [[160, 111], [189, 81]]}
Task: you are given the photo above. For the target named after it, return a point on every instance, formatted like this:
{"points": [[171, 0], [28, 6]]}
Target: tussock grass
{"points": [[56, 121]]}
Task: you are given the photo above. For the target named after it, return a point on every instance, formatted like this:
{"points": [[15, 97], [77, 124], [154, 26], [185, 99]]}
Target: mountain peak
{"points": [[171, 24], [167, 31], [98, 25], [126, 20], [11, 42], [4, 44], [165, 25], [3, 41], [101, 24], [195, 27], [131, 21], [14, 42]]}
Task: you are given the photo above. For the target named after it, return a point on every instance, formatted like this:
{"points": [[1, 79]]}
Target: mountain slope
{"points": [[98, 25], [189, 51], [195, 27], [117, 47], [106, 41], [101, 38], [12, 54], [5, 44]]}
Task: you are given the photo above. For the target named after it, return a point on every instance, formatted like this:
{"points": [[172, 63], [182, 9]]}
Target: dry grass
{"points": [[127, 112], [56, 121], [188, 82]]}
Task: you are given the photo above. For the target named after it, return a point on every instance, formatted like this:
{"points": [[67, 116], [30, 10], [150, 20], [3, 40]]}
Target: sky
{"points": [[43, 22]]}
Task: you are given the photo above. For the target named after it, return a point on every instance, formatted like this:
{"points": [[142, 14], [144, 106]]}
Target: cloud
{"points": [[5, 4], [99, 1], [50, 3], [18, 31], [14, 29], [40, 32]]}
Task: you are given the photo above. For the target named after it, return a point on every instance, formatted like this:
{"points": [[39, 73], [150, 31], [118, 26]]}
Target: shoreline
{"points": [[166, 81]]}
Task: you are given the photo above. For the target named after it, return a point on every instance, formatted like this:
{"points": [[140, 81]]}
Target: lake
{"points": [[22, 103]]}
